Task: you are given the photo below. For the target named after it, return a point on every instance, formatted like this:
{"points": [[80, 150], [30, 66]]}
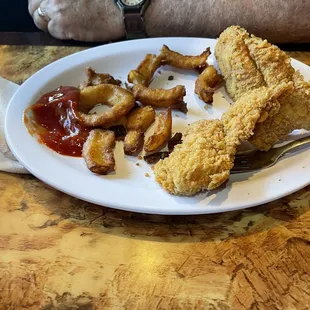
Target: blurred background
{"points": [[14, 16]]}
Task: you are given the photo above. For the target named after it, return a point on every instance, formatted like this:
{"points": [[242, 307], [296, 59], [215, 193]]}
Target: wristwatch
{"points": [[133, 11]]}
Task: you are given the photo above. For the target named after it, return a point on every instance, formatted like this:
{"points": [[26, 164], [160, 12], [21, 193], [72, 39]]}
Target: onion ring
{"points": [[119, 99]]}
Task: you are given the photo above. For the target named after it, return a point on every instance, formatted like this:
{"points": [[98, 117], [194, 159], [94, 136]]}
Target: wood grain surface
{"points": [[57, 252]]}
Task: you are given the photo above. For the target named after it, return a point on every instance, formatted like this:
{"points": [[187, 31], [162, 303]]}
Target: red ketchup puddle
{"points": [[53, 119]]}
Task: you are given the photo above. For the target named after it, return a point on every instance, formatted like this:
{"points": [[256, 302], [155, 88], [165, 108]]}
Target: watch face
{"points": [[132, 2]]}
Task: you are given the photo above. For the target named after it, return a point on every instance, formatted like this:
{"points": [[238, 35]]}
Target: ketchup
{"points": [[59, 127]]}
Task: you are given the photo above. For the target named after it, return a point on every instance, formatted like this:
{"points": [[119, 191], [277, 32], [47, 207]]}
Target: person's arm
{"points": [[276, 20], [101, 20]]}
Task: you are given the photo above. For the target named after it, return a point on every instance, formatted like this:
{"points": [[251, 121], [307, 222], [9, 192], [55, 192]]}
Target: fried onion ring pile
{"points": [[127, 119]]}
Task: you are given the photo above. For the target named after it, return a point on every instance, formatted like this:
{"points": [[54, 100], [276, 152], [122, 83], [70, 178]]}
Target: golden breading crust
{"points": [[205, 157], [201, 162], [235, 50], [236, 65], [294, 114], [274, 64], [253, 109]]}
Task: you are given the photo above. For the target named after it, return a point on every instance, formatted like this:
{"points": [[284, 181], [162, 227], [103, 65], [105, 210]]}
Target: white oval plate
{"points": [[129, 188]]}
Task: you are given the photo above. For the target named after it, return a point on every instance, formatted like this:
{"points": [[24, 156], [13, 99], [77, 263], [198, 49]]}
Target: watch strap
{"points": [[134, 25]]}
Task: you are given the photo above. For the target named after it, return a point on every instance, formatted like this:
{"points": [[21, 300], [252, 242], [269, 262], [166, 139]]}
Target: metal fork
{"points": [[255, 160]]}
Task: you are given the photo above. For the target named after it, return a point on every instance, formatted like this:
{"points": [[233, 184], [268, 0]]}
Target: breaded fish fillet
{"points": [[294, 114], [252, 110], [205, 157], [236, 65], [274, 66], [201, 162]]}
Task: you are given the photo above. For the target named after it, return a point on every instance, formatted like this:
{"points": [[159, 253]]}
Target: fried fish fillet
{"points": [[205, 157], [248, 62], [252, 109], [237, 67], [275, 67], [201, 162], [294, 114], [274, 64]]}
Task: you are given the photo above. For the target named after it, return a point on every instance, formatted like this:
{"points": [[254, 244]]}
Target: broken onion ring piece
{"points": [[93, 78], [207, 83], [98, 151], [162, 132], [178, 60], [139, 120], [160, 98], [145, 71], [133, 142]]}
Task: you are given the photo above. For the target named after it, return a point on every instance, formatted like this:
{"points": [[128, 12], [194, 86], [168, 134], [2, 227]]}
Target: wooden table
{"points": [[57, 252]]}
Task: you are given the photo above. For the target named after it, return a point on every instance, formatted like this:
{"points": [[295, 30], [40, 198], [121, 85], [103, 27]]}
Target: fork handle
{"points": [[290, 146]]}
